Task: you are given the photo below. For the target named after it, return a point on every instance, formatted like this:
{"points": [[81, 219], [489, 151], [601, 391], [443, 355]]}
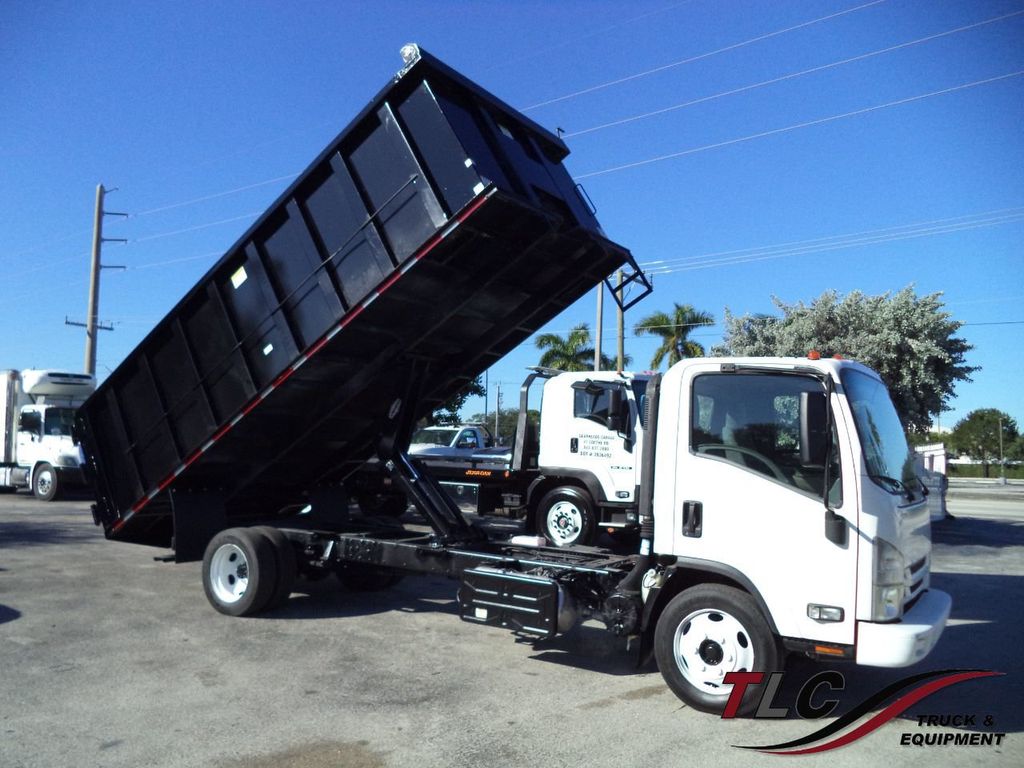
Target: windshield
{"points": [[882, 437], [59, 421], [433, 436]]}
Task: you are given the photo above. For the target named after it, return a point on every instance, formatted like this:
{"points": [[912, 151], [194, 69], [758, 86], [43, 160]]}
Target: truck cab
{"points": [[590, 452], [792, 481], [38, 411]]}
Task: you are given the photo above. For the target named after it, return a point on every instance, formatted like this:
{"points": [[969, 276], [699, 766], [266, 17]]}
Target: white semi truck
{"points": [[777, 504], [37, 410]]}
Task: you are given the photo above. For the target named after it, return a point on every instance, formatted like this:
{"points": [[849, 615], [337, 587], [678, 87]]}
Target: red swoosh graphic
{"points": [[887, 714]]}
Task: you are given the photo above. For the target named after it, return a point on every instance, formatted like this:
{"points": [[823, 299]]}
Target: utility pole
{"points": [[497, 410], [92, 324], [600, 326], [622, 325], [1002, 461]]}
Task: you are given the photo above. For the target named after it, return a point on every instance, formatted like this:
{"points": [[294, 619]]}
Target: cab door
{"points": [[744, 499], [605, 436], [30, 436]]}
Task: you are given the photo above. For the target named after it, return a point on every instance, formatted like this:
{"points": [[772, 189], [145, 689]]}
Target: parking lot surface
{"points": [[111, 658]]}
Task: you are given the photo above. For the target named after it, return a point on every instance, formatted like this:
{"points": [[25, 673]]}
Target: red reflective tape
{"points": [[282, 378], [245, 412]]}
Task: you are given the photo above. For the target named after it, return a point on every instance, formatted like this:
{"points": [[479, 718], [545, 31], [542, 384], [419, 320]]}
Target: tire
{"points": [[239, 572], [705, 632], [45, 483], [565, 516], [286, 562], [369, 578]]}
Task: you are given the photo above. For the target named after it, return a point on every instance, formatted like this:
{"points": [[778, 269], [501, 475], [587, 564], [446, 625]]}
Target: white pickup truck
{"points": [[450, 442]]}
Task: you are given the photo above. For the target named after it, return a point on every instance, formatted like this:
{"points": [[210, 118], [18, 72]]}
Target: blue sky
{"points": [[771, 168]]}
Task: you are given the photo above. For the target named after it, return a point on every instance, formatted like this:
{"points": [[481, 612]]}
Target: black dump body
{"points": [[432, 236]]}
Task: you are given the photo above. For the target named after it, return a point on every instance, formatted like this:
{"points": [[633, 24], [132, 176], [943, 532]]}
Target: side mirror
{"points": [[813, 425], [618, 410]]}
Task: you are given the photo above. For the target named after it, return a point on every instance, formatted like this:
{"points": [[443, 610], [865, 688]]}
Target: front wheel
{"points": [[45, 484], [565, 516], [706, 632]]}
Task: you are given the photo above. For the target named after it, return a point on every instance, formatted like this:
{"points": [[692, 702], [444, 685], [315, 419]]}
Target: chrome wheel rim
{"points": [[710, 643], [229, 573], [565, 522], [44, 482]]}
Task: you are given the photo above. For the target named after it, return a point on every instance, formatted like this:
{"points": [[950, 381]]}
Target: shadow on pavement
{"points": [[22, 533], [8, 614], [328, 598], [971, 534]]}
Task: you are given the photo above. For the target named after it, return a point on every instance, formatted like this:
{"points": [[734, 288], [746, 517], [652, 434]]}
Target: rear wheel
{"points": [[565, 516], [239, 572], [286, 562], [706, 632]]}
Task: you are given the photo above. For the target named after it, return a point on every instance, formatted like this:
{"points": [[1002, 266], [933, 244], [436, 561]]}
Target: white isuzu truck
{"points": [[37, 409], [777, 504]]}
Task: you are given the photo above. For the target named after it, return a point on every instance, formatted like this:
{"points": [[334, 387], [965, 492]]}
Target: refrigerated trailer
{"points": [[436, 233]]}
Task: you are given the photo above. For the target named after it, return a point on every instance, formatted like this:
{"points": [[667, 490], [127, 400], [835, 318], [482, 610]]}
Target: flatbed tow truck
{"points": [[431, 237]]}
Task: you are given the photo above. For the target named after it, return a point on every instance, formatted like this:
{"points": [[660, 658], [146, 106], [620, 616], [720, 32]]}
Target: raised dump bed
{"points": [[433, 235]]}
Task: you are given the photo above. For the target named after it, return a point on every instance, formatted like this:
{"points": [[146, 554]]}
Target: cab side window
{"points": [[593, 405], [467, 439], [752, 420]]}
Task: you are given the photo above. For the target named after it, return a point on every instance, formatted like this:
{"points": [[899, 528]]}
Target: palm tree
{"points": [[572, 353], [674, 332]]}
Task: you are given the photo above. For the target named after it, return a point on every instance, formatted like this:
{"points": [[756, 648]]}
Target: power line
{"points": [[796, 247], [783, 78], [173, 232], [181, 260], [835, 246], [807, 124], [698, 57], [214, 196], [1000, 322], [504, 62]]}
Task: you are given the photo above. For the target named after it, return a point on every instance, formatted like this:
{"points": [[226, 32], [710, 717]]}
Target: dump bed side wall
{"points": [[430, 238]]}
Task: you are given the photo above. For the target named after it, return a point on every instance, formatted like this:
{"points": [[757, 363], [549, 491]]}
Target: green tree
{"points": [[508, 420], [908, 339], [448, 411], [978, 433], [573, 352], [927, 438], [675, 333]]}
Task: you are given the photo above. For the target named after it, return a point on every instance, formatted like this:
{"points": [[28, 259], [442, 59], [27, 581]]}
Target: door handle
{"points": [[574, 445], [693, 518]]}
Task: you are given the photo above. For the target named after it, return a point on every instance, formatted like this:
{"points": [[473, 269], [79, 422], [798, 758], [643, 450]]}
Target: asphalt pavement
{"points": [[111, 658]]}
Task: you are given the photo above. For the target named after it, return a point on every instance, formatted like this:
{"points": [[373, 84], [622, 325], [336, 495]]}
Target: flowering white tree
{"points": [[909, 339]]}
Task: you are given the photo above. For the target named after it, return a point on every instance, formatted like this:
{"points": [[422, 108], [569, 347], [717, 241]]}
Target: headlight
{"points": [[67, 460], [889, 584]]}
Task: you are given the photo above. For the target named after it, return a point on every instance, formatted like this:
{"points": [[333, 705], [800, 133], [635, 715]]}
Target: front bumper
{"points": [[907, 641]]}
